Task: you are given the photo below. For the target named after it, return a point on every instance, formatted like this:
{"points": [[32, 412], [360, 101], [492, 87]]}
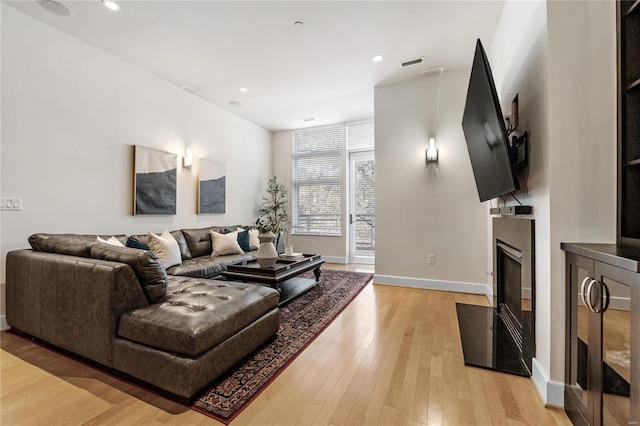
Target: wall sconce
{"points": [[187, 160], [432, 152]]}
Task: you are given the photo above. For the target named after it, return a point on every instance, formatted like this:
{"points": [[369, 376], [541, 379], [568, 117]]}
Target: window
{"points": [[360, 136], [316, 182]]}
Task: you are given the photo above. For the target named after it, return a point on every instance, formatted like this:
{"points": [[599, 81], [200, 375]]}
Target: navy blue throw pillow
{"points": [[135, 243], [243, 240]]}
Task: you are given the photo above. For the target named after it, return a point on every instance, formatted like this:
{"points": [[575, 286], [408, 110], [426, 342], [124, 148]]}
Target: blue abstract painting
{"points": [[155, 181]]}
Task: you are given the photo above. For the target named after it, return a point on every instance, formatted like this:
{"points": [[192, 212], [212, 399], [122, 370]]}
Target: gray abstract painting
{"points": [[155, 179], [212, 184]]}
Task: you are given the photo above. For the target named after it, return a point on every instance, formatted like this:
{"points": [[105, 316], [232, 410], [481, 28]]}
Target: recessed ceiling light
{"points": [[235, 103], [378, 58], [298, 24], [244, 89], [54, 7], [110, 4]]}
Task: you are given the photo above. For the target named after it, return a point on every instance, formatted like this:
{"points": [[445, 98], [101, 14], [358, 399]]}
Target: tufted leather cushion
{"points": [[199, 240], [197, 315], [182, 243], [145, 264], [71, 244], [207, 266]]}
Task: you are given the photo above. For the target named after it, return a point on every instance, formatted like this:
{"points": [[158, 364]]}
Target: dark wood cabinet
{"points": [[628, 23], [602, 354]]}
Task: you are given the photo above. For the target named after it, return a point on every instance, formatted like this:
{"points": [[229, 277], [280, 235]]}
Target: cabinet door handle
{"points": [[582, 295], [588, 295], [606, 296]]}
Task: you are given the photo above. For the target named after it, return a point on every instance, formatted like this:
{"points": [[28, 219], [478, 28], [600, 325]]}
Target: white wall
{"points": [[582, 130], [560, 58], [70, 114], [423, 209], [518, 58]]}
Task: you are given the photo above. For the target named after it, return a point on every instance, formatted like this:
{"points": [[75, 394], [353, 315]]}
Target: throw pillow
{"points": [[225, 243], [166, 248], [112, 240], [243, 240], [254, 241], [136, 243]]}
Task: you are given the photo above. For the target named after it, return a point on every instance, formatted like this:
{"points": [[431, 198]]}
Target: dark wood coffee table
{"points": [[283, 276]]}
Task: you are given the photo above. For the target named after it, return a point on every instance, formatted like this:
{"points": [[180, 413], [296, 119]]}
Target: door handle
{"points": [[606, 296], [582, 294], [350, 219], [588, 295]]}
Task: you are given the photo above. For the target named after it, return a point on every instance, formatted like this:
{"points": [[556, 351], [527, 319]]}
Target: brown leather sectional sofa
{"points": [[176, 329]]}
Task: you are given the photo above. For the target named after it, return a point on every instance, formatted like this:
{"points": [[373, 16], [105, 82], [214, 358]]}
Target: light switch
{"points": [[11, 203]]}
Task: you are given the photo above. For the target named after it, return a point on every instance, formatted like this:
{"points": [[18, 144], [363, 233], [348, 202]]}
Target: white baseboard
{"points": [[620, 303], [3, 323], [335, 259], [454, 286], [552, 393]]}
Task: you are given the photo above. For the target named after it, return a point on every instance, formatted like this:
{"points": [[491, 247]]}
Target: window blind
{"points": [[316, 180], [360, 136]]}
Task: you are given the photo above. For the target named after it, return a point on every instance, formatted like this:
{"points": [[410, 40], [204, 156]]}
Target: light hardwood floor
{"points": [[393, 357]]}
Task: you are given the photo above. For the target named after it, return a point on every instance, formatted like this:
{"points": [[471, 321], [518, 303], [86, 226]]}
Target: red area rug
{"points": [[301, 321]]}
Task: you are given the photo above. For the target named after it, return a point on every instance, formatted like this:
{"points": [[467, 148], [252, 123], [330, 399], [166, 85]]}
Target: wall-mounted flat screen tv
{"points": [[486, 133]]}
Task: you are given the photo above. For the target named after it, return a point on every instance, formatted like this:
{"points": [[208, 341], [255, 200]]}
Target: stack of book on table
{"points": [[292, 256]]}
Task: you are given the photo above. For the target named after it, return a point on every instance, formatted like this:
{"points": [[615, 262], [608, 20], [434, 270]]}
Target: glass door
{"points": [[617, 348], [582, 326], [362, 207]]}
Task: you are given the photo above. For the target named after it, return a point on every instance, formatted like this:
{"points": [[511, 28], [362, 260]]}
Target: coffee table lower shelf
{"points": [[283, 276], [294, 287]]}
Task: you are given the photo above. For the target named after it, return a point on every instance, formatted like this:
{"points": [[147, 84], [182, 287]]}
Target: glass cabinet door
{"points": [[579, 379], [617, 350]]}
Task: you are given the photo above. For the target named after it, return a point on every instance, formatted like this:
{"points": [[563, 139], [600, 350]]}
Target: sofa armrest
{"points": [[71, 302]]}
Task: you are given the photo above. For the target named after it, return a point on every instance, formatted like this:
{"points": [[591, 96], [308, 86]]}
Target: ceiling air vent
{"points": [[410, 62], [434, 71]]}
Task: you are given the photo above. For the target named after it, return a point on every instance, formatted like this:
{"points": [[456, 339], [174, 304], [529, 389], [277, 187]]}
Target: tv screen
{"points": [[486, 134]]}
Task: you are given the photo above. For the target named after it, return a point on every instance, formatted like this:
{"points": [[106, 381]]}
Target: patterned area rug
{"points": [[301, 320]]}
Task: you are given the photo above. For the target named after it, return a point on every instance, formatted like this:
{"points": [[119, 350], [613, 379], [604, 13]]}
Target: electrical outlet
{"points": [[11, 203], [431, 259]]}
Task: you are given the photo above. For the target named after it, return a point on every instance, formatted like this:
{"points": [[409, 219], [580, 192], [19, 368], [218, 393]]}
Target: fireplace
{"points": [[502, 337]]}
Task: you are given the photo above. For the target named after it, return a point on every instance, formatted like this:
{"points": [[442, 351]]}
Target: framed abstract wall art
{"points": [[154, 181], [212, 184]]}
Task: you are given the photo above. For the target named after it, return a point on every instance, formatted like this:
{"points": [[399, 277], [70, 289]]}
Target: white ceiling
{"points": [[323, 69]]}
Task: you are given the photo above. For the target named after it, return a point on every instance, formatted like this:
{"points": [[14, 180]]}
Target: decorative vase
{"points": [[267, 254]]}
